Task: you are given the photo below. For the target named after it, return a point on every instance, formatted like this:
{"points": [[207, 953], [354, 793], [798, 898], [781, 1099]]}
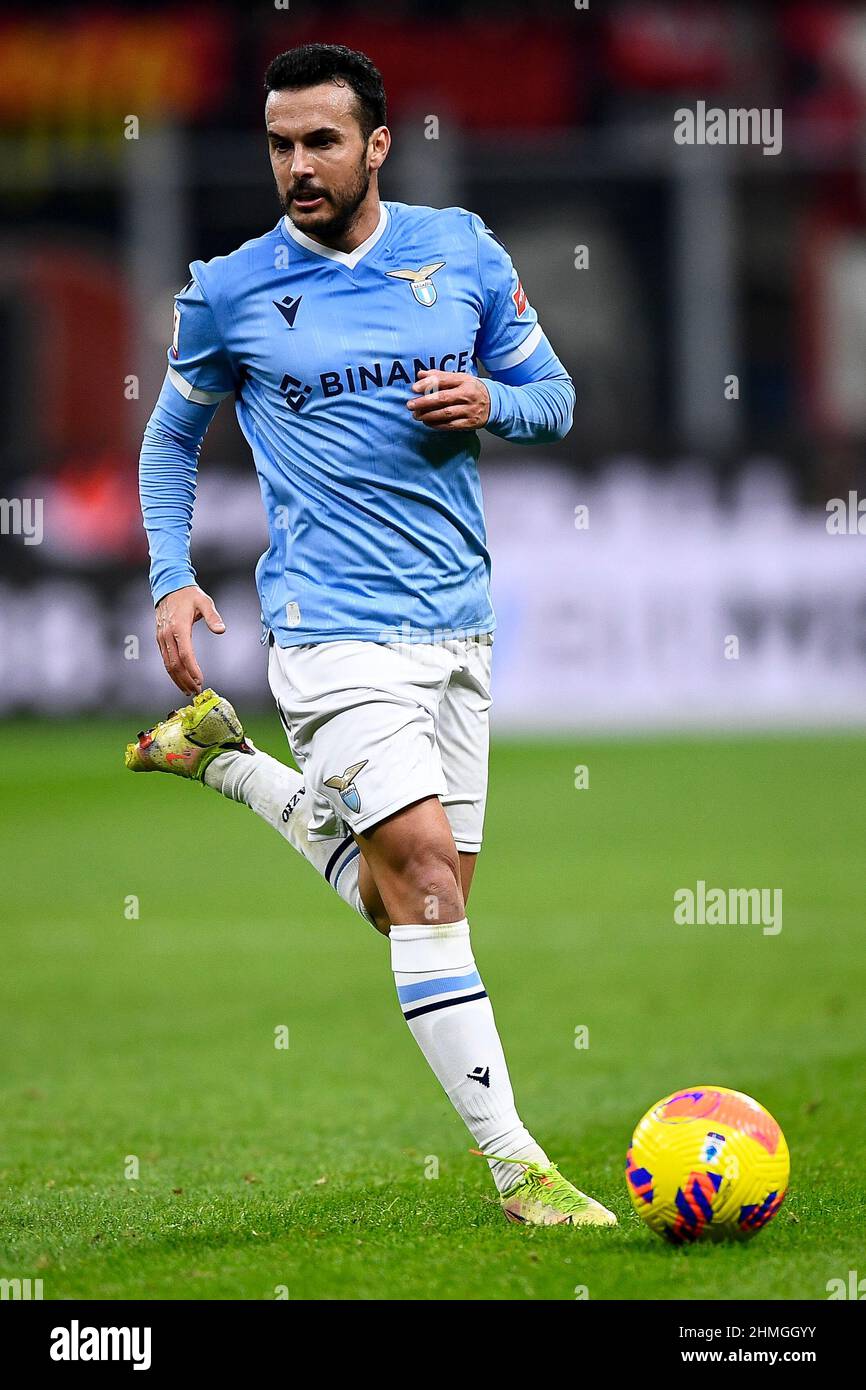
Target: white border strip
{"points": [[192, 393], [519, 354]]}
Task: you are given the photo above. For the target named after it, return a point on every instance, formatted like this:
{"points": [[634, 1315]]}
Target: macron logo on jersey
{"points": [[289, 307]]}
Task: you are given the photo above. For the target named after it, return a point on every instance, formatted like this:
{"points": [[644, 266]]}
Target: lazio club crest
{"points": [[422, 285], [345, 785]]}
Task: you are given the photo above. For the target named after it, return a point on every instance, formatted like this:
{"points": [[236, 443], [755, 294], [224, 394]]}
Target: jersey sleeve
{"points": [[509, 331], [199, 366]]}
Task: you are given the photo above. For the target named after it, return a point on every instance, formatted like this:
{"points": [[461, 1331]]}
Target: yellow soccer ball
{"points": [[707, 1163]]}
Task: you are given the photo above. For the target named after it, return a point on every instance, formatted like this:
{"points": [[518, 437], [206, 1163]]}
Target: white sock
{"points": [[450, 1017], [276, 793]]}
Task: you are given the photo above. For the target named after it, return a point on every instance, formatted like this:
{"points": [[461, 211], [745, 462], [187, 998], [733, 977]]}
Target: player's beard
{"points": [[342, 205]]}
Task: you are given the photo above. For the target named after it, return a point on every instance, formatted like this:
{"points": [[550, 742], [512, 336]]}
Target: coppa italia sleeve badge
{"points": [[519, 297], [175, 333]]}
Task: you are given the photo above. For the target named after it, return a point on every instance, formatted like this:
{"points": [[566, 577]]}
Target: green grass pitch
{"points": [[263, 1170]]}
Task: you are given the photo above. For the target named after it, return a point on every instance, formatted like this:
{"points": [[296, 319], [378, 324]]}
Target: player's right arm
{"points": [[199, 375]]}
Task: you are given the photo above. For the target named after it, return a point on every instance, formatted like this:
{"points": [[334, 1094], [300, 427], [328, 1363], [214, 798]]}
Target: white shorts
{"points": [[377, 726]]}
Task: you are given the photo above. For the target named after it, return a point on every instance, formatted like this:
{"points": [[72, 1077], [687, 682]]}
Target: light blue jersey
{"points": [[375, 520]]}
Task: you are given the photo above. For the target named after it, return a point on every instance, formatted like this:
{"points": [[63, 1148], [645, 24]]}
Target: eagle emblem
{"points": [[349, 793], [422, 285]]}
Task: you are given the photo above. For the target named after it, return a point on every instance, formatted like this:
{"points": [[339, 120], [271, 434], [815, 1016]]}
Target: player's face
{"points": [[319, 157]]}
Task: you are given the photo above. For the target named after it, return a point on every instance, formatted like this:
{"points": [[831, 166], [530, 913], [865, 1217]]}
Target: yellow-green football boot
{"points": [[189, 738], [543, 1197]]}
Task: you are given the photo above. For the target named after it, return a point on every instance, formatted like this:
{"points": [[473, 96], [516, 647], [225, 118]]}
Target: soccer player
{"points": [[349, 336]]}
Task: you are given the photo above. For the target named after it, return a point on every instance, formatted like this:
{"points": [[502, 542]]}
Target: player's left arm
{"points": [[529, 396]]}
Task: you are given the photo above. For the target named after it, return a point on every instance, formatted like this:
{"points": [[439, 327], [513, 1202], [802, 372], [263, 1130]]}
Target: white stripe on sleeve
{"points": [[192, 393], [503, 361]]}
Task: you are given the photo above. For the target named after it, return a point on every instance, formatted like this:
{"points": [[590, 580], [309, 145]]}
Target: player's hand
{"points": [[450, 400], [175, 615]]}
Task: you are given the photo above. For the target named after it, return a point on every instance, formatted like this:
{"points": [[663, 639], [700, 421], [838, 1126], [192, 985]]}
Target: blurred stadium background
{"points": [[706, 515], [659, 271]]}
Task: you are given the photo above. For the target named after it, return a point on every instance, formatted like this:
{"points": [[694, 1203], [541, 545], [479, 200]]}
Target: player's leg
{"points": [[277, 793], [226, 760], [205, 742], [532, 1189], [406, 856], [415, 864]]}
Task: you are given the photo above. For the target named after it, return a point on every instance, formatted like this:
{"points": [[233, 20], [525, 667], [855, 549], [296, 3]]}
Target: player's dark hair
{"points": [[311, 63]]}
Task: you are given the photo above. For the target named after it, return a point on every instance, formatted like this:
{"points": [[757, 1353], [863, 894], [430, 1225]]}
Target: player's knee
{"points": [[432, 874]]}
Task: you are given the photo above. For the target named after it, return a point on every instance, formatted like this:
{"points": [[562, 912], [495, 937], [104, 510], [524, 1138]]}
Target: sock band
{"points": [[425, 996], [444, 1004], [423, 946], [444, 984]]}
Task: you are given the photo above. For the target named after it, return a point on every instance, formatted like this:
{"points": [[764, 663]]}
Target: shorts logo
{"points": [[422, 286], [349, 794]]}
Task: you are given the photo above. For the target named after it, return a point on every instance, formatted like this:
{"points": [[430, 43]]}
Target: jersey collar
{"points": [[347, 258]]}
